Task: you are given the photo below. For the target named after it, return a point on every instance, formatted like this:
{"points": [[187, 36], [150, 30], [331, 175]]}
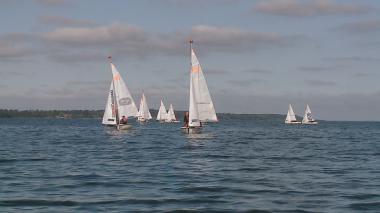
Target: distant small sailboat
{"points": [[201, 107], [171, 115], [308, 118], [144, 113], [119, 103], [162, 114], [291, 116]]}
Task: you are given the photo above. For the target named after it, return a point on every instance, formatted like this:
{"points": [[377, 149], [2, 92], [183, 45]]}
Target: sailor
{"points": [[124, 120], [186, 120]]}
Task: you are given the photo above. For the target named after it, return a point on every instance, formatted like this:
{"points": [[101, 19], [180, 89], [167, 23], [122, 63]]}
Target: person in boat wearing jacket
{"points": [[124, 120], [186, 120]]}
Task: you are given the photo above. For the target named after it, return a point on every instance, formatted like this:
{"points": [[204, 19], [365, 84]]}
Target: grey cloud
{"points": [[353, 59], [133, 41], [17, 45], [320, 83], [361, 75], [243, 83], [317, 69], [51, 2], [364, 26], [257, 71], [74, 44], [77, 57], [13, 51], [216, 72], [63, 21], [300, 8]]}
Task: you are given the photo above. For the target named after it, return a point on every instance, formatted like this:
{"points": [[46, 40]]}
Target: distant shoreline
{"points": [[68, 114]]}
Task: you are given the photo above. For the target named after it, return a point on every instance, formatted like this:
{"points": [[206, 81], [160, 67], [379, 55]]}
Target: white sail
{"points": [[201, 108], [144, 113], [140, 108], [109, 117], [290, 117], [124, 101], [162, 114], [171, 115], [308, 118]]}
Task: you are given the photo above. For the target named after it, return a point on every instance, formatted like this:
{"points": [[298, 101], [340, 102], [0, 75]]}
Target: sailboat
{"points": [[144, 113], [162, 114], [201, 107], [119, 103], [171, 116], [291, 117], [308, 118]]}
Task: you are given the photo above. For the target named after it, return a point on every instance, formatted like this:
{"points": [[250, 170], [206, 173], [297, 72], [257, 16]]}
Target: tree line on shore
{"points": [[14, 113]]}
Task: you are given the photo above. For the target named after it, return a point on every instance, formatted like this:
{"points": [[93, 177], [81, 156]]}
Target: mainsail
{"points": [[144, 112], [171, 115], [307, 118], [201, 107], [120, 102], [162, 114], [109, 117], [290, 117]]}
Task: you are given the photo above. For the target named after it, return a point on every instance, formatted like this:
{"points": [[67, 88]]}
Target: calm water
{"points": [[254, 164]]}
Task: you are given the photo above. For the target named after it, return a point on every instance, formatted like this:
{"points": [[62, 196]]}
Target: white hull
{"points": [[191, 130], [293, 122], [172, 121], [125, 126], [310, 123], [142, 119]]}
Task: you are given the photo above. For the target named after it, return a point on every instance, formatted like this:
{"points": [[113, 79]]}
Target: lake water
{"points": [[241, 164]]}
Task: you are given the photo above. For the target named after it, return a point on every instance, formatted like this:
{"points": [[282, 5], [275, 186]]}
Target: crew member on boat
{"points": [[124, 120], [186, 120]]}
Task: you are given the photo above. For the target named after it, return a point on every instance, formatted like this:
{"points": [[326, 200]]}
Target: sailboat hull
{"points": [[125, 126], [293, 122], [191, 130], [310, 123]]}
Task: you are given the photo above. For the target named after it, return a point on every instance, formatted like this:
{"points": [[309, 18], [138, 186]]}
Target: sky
{"points": [[257, 55]]}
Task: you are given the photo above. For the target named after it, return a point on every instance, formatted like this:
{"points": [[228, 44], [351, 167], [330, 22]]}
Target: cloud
{"points": [[63, 21], [228, 39], [320, 83], [132, 41], [352, 59], [361, 75], [364, 26], [216, 72], [243, 83], [17, 45], [8, 50], [93, 43], [51, 3], [257, 71], [298, 8], [317, 69]]}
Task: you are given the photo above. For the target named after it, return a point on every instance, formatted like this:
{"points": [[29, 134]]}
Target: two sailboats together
{"points": [[307, 118], [166, 116], [120, 103]]}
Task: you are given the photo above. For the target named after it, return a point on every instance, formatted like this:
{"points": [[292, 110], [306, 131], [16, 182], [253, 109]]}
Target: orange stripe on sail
{"points": [[195, 68], [116, 77]]}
